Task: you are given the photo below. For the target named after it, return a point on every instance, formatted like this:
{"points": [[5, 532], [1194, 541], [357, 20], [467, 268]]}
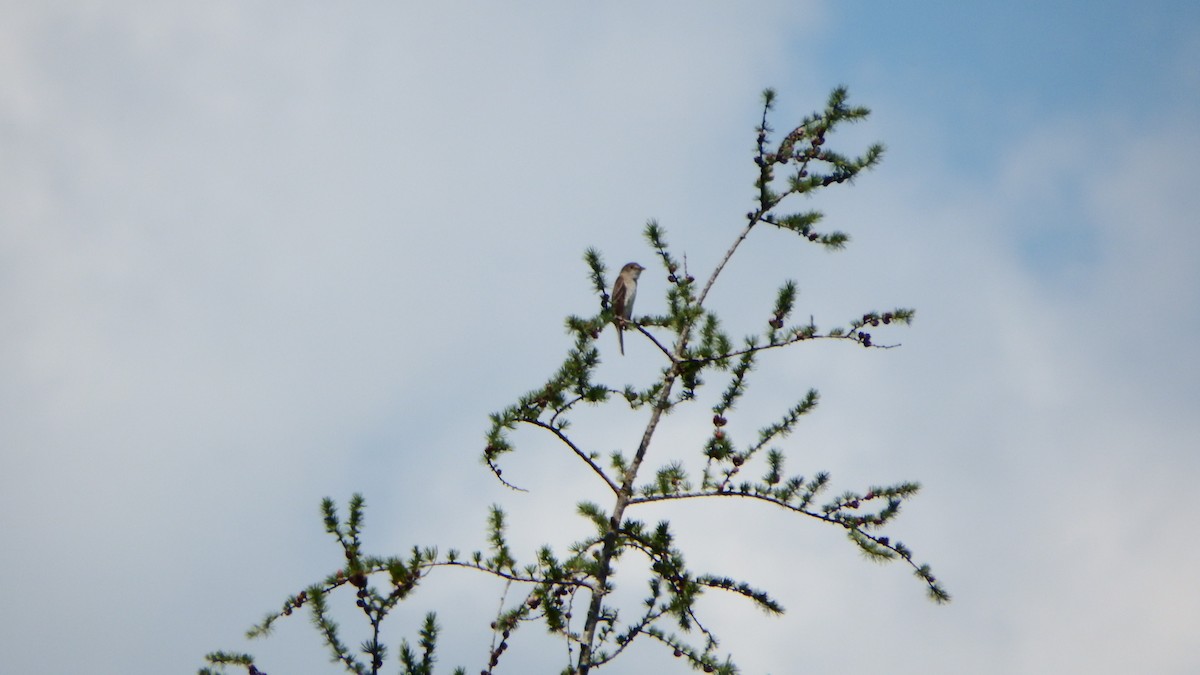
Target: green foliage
{"points": [[570, 593]]}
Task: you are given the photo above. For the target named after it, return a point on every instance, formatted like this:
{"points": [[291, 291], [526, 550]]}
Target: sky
{"points": [[256, 254]]}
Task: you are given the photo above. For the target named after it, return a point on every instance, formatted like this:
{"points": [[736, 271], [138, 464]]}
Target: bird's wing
{"points": [[618, 298]]}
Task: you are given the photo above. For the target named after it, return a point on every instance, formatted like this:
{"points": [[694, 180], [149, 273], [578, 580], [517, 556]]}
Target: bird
{"points": [[623, 295]]}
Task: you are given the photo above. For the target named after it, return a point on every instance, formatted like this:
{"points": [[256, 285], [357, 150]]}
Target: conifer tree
{"points": [[569, 593]]}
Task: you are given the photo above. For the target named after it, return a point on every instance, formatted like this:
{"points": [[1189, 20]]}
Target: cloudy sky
{"points": [[256, 254]]}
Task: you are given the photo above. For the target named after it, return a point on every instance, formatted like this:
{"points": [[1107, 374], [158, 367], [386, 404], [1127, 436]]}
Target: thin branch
{"points": [[765, 204], [571, 404], [634, 629], [753, 219], [880, 540], [578, 451], [798, 338], [666, 352], [496, 471]]}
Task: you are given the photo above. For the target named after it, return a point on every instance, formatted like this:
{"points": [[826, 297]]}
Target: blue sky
{"points": [[251, 256]]}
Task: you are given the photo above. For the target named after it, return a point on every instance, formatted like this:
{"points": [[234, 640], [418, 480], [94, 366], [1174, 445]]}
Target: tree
{"points": [[693, 346]]}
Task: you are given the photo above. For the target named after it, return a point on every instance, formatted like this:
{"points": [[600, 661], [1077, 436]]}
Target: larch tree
{"points": [[570, 593]]}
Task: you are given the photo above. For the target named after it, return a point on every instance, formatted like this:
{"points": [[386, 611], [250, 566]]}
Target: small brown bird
{"points": [[623, 295]]}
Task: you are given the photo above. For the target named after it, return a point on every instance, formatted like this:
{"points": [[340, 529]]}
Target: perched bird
{"points": [[623, 295]]}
